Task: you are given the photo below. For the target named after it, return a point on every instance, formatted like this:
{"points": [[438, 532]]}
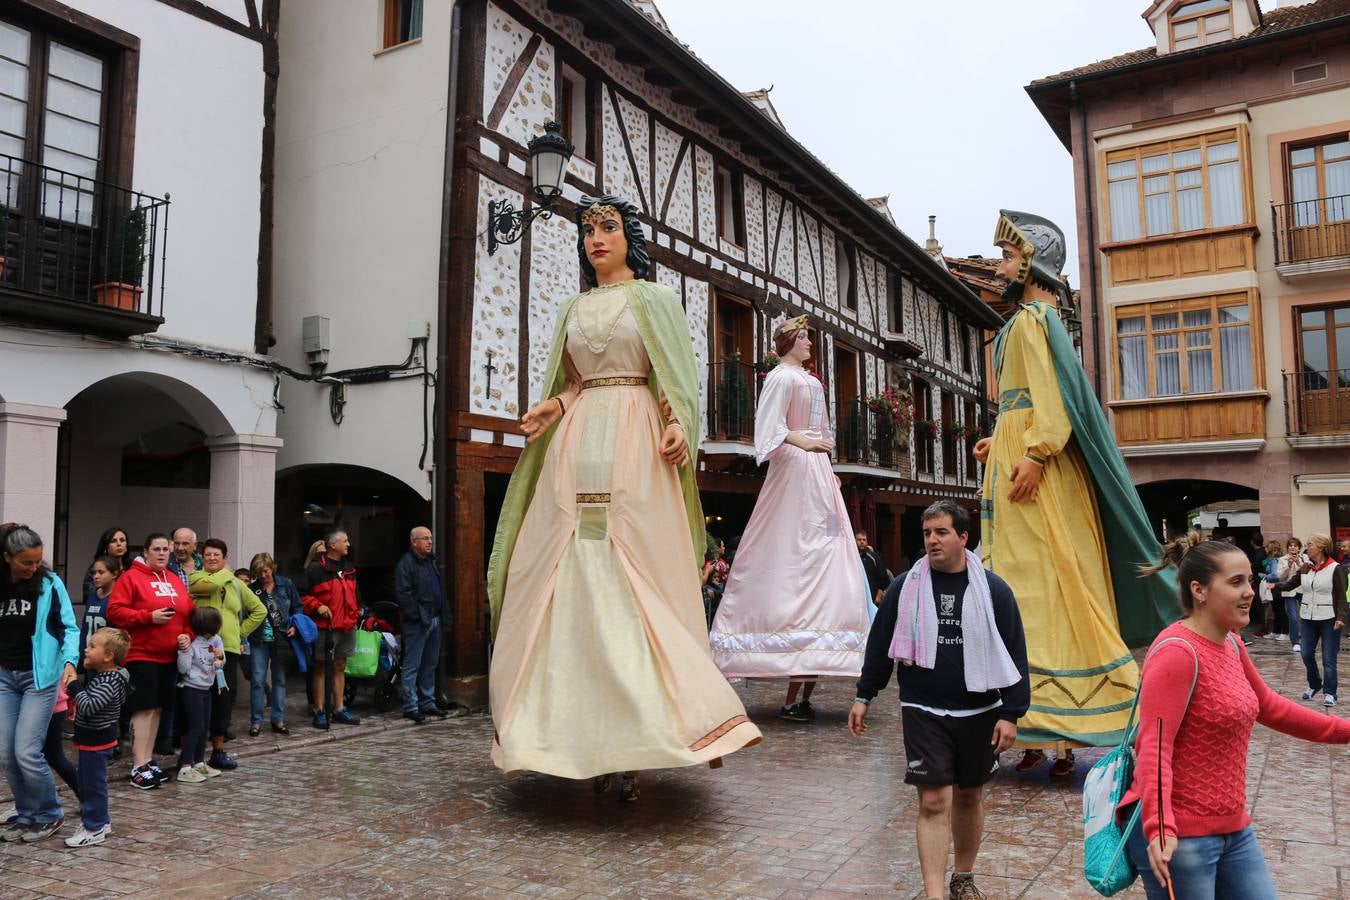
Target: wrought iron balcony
{"points": [[80, 254], [733, 387], [1317, 407], [865, 437], [1312, 236]]}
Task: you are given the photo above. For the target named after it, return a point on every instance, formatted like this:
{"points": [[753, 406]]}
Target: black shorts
{"points": [[152, 685], [945, 750]]}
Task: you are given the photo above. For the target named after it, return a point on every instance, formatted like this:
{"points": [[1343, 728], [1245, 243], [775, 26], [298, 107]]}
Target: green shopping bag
{"points": [[365, 660]]}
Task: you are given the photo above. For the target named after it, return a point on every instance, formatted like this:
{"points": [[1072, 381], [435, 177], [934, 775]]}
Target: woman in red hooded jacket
{"points": [[153, 605]]}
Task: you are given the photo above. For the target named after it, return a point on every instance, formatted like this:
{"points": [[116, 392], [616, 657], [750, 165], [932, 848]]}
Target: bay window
{"points": [[1177, 186], [1182, 347]]}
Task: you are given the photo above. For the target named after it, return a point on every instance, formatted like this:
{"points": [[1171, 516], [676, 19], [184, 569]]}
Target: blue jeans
{"points": [[259, 655], [1204, 868], [93, 774], [1291, 610], [421, 649], [25, 714], [1324, 631]]}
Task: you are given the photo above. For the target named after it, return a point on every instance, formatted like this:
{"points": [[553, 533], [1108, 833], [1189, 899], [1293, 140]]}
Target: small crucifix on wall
{"points": [[488, 369]]}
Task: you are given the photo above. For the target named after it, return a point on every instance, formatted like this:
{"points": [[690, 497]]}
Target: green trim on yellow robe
{"points": [[665, 335]]}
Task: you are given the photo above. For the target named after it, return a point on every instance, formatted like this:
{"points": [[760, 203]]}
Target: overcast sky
{"points": [[920, 100]]}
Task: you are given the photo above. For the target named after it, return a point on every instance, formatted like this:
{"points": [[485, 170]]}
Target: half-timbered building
{"points": [[744, 224]]}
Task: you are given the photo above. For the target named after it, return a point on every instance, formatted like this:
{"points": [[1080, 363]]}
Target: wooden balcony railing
{"points": [[732, 389], [1317, 402]]}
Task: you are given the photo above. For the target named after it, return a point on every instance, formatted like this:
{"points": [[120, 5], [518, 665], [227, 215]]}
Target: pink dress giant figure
{"points": [[795, 603]]}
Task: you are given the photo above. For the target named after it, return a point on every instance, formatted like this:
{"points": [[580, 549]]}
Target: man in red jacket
{"points": [[153, 605], [331, 600]]}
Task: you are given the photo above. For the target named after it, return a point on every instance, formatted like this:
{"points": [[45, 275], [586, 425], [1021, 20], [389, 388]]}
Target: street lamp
{"points": [[549, 153]]}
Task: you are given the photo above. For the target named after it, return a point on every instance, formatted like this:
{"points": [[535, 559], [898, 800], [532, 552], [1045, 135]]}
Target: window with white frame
{"points": [[1201, 345], [1177, 186]]}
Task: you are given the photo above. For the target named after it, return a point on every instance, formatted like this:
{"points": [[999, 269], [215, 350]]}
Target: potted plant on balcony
{"points": [[767, 363], [124, 263], [924, 429], [733, 399], [894, 411], [955, 430]]}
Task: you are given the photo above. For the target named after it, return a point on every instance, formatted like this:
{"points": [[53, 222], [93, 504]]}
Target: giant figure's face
{"points": [[606, 245], [801, 349]]}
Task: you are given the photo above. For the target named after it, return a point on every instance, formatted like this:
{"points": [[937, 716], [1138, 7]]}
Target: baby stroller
{"points": [[380, 619]]}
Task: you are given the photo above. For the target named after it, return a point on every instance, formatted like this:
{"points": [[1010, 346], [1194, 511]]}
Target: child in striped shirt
{"points": [[98, 704]]}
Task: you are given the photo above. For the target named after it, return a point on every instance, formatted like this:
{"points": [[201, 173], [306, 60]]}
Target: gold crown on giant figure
{"points": [[800, 323]]}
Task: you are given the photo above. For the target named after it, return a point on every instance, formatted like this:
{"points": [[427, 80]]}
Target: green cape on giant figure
{"points": [[660, 321]]}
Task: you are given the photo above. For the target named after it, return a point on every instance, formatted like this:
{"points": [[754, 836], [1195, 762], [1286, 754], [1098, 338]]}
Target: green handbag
{"points": [[365, 660]]}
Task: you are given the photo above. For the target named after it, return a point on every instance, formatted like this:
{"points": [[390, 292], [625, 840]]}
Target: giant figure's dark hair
{"points": [[637, 258]]}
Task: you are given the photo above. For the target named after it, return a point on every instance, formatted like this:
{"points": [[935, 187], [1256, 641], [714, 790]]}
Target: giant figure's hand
{"points": [[981, 449], [1026, 479], [540, 418], [804, 441], [674, 445]]}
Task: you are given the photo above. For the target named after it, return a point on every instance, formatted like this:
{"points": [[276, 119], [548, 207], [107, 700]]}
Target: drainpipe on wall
{"points": [[441, 445], [1092, 240]]}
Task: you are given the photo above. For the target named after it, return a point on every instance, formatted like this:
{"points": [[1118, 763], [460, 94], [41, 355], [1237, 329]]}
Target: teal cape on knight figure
{"points": [[1072, 553]]}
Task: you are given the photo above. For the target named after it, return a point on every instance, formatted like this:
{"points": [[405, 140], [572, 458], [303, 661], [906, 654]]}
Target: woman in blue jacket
{"points": [[278, 594], [39, 639]]}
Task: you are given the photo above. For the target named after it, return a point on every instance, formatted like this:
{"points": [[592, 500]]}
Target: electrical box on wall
{"points": [[418, 329], [316, 340]]}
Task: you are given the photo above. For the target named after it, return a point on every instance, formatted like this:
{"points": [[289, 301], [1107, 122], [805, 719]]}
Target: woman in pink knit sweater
{"points": [[1210, 850]]}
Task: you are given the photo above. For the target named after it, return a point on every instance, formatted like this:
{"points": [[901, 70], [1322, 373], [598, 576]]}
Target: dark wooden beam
{"points": [[628, 56], [215, 17], [660, 78]]}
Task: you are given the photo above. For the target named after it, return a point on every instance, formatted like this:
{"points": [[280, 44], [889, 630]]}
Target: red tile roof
{"points": [[1284, 18]]}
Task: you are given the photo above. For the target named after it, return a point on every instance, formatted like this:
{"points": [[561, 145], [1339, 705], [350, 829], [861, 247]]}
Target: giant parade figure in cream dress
{"points": [[601, 661], [796, 601]]}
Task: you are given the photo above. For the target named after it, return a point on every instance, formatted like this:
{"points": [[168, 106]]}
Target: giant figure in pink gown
{"points": [[795, 603]]}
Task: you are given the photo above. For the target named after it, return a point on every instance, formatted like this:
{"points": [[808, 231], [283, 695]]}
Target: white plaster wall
{"points": [[696, 311], [496, 318], [829, 274], [666, 145], [754, 222], [619, 176], [206, 155], [704, 173], [505, 39], [637, 124], [680, 214], [784, 266], [360, 154], [555, 273], [808, 250]]}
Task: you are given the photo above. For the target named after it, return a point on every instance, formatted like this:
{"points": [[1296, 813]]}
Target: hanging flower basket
{"points": [[925, 429]]}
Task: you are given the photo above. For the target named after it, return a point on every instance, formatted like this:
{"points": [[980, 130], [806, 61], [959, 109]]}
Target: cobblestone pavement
{"points": [[397, 810]]}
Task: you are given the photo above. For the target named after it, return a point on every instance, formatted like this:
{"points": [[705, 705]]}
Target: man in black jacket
{"points": [[878, 576], [952, 735], [424, 611]]}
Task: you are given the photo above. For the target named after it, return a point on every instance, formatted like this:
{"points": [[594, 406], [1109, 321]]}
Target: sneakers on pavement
{"points": [[345, 716], [9, 816], [1282, 637], [1329, 700], [1296, 648], [156, 771], [321, 720], [220, 760], [962, 887], [793, 713], [435, 711], [13, 831], [40, 830], [143, 778], [1309, 694], [86, 838], [417, 717], [206, 770], [189, 775]]}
